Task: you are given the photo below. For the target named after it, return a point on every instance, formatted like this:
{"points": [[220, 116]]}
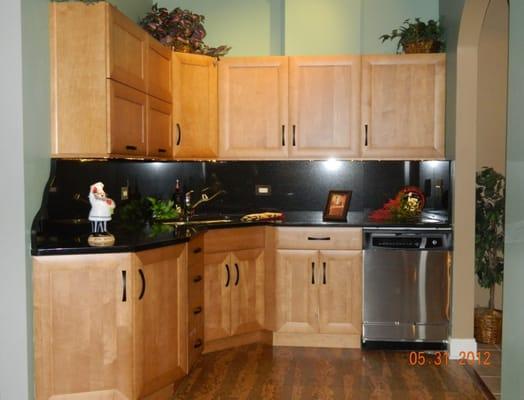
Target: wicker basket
{"points": [[423, 46], [488, 326]]}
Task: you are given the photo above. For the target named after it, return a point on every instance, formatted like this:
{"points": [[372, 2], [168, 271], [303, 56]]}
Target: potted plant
{"points": [[182, 30], [418, 36], [489, 250]]}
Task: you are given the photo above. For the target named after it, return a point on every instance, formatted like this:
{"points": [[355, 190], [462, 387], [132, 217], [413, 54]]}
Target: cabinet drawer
{"points": [[319, 238], [221, 240]]}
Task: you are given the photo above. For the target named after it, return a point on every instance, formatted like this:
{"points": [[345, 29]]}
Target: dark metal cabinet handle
{"points": [[366, 133], [197, 344], [179, 134], [197, 310], [143, 291], [197, 278], [283, 135], [124, 286], [294, 135], [238, 274], [319, 238], [129, 147], [197, 250], [324, 273], [228, 275], [162, 150], [313, 273]]}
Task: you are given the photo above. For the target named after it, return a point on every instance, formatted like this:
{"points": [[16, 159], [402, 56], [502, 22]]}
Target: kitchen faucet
{"points": [[190, 208]]}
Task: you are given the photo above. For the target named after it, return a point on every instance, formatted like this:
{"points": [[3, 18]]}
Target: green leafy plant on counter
{"points": [[164, 209], [418, 36], [182, 30], [489, 230]]}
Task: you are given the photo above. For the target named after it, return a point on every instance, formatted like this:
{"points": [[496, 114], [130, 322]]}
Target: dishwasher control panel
{"points": [[407, 239]]}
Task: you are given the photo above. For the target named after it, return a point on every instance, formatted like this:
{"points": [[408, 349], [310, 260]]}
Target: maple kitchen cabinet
{"points": [[233, 286], [195, 122], [403, 104], [324, 106], [253, 107], [110, 322], [318, 287], [107, 77], [280, 107]]}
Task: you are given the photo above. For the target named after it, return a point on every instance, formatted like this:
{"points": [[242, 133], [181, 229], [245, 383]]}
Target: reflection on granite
{"points": [[147, 236]]}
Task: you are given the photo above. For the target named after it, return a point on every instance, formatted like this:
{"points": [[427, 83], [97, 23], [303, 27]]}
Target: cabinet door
{"points": [[159, 78], [160, 306], [324, 106], [83, 324], [247, 291], [127, 120], [403, 101], [127, 47], [195, 103], [217, 296], [159, 128], [253, 104], [340, 292], [297, 274]]}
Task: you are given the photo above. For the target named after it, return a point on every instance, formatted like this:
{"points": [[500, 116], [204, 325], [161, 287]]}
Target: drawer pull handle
{"points": [[124, 286], [198, 344], [143, 278], [283, 135], [366, 138], [129, 147], [324, 270], [179, 134], [197, 310], [197, 250], [197, 278], [294, 135], [228, 275], [319, 238], [162, 150], [313, 273], [238, 274]]}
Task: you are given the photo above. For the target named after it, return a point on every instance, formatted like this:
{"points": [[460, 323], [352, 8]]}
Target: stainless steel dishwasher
{"points": [[407, 284]]}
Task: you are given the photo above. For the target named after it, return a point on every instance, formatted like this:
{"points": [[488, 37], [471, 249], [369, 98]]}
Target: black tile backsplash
{"points": [[295, 185]]}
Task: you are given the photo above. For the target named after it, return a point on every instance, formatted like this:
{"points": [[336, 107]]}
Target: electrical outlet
{"points": [[263, 190], [124, 192]]}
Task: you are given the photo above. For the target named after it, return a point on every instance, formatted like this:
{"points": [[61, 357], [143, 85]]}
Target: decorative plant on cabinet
{"points": [[489, 250], [418, 36]]}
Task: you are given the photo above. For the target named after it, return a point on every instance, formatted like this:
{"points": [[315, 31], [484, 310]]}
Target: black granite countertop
{"points": [[73, 239]]}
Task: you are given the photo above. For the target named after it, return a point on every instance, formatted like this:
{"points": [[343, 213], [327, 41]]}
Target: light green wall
{"points": [[513, 329], [134, 9], [322, 27], [251, 27], [308, 27]]}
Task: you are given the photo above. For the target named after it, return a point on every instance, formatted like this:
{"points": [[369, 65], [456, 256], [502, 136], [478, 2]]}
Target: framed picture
{"points": [[337, 205]]}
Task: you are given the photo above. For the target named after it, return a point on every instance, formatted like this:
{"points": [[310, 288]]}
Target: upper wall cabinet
{"points": [[324, 106], [253, 107], [105, 70], [195, 106], [403, 102]]}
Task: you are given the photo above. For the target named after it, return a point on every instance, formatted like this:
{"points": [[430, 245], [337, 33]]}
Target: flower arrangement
{"points": [[182, 30], [407, 205]]}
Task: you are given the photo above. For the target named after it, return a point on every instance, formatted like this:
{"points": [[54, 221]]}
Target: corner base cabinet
{"points": [[110, 322]]}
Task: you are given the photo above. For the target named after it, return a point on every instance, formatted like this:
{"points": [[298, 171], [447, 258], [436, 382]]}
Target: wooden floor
{"points": [[263, 372]]}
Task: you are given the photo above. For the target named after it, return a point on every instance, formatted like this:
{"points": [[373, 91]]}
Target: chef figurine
{"points": [[102, 208]]}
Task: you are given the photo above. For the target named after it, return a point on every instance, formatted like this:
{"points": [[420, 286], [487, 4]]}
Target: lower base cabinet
{"points": [[110, 322], [234, 293]]}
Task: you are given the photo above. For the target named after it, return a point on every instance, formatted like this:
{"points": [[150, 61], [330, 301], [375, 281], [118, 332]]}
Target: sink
{"points": [[198, 222]]}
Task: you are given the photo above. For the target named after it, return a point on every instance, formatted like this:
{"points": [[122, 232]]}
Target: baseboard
{"points": [[338, 341], [238, 340], [459, 348]]}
